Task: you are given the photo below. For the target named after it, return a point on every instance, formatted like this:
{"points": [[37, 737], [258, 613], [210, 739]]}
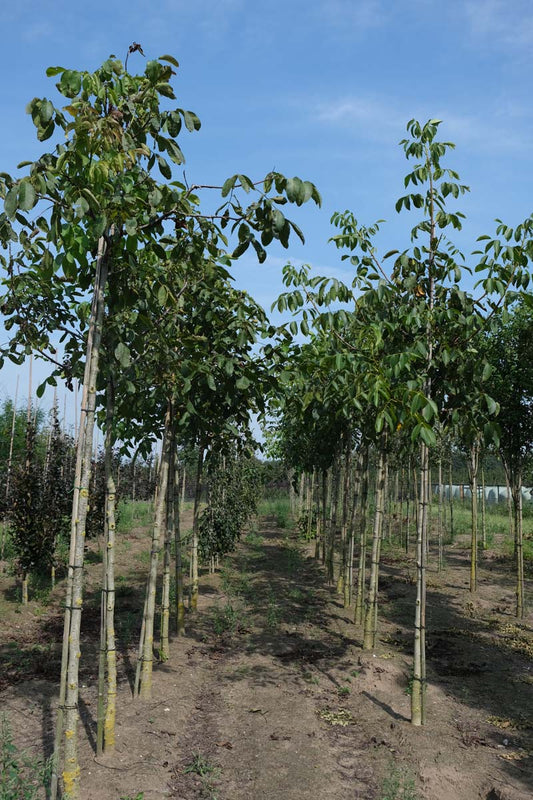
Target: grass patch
{"points": [[398, 785], [279, 508], [134, 514], [21, 776]]}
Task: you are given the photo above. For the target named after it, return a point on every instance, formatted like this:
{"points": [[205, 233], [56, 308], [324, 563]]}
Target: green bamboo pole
{"points": [[418, 694], [193, 595], [371, 616], [70, 666], [147, 657]]}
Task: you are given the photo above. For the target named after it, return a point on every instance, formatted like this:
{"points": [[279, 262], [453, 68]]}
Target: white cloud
{"points": [[503, 23], [354, 14], [383, 119]]}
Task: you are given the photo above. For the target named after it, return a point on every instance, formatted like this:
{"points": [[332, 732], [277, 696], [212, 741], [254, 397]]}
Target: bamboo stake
{"points": [[370, 629], [418, 694], [193, 595], [70, 663], [147, 657]]}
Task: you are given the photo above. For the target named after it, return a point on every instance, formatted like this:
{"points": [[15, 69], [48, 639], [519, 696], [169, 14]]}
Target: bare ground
{"points": [[270, 695]]}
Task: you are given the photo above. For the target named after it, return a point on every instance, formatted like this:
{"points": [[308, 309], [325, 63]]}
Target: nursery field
{"points": [[270, 693]]}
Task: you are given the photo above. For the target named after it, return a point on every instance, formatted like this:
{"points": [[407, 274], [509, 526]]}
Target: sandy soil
{"points": [[270, 695]]}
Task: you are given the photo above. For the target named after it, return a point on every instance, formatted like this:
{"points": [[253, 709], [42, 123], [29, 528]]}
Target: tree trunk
{"points": [[371, 617], [516, 480], [472, 472], [170, 534], [450, 498], [68, 691], [180, 601], [361, 572], [483, 512], [193, 596], [147, 649], [440, 519], [109, 586], [418, 694]]}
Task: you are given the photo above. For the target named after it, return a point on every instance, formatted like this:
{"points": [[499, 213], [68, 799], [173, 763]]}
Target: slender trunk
{"points": [[342, 579], [472, 471], [512, 531], [439, 519], [301, 495], [361, 572], [371, 617], [183, 486], [180, 601], [68, 692], [335, 481], [310, 494], [170, 534], [324, 515], [408, 508], [516, 483], [483, 512], [193, 596], [450, 498], [10, 457], [418, 694], [147, 658], [348, 577], [109, 586]]}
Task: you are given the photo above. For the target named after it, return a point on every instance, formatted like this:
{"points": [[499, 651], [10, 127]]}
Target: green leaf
{"points": [[228, 185], [26, 195], [122, 354], [164, 168], [131, 226], [295, 191], [174, 152], [428, 436], [162, 295], [70, 83], [170, 59], [51, 71], [242, 383], [11, 203], [192, 122], [211, 382]]}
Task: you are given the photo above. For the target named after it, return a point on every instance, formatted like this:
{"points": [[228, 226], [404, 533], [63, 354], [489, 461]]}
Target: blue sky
{"points": [[321, 89]]}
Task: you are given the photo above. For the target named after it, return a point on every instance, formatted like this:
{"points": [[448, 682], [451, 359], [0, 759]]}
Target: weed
{"points": [[207, 772], [138, 796], [21, 777], [310, 678], [273, 614], [343, 691], [226, 619], [253, 539], [355, 673], [278, 508], [296, 594], [343, 717], [399, 785], [134, 514], [409, 688]]}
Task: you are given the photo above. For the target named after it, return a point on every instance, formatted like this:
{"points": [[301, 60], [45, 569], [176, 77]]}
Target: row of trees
{"points": [[117, 277], [402, 363], [121, 280]]}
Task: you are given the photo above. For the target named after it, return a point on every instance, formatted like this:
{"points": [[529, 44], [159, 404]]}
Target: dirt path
{"points": [[270, 695]]}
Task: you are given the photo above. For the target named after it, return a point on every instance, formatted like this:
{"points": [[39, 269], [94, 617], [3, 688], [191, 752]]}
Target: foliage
{"points": [[96, 514], [398, 785], [32, 541], [233, 493], [21, 777]]}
